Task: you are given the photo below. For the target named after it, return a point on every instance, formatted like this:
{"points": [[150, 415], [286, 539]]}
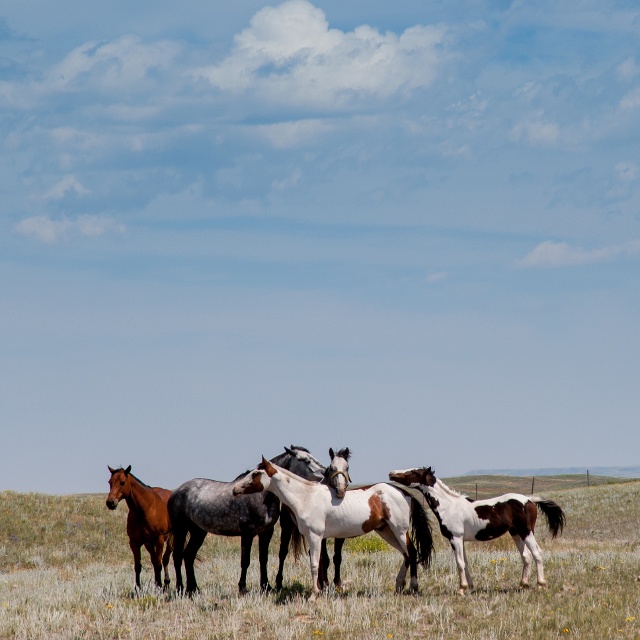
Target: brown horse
{"points": [[147, 522]]}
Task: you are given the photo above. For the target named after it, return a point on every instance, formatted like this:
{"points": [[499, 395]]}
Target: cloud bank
{"points": [[289, 55]]}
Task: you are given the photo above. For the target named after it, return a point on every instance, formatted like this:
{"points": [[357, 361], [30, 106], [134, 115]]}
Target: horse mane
{"points": [[452, 492], [144, 484], [299, 448], [296, 476]]}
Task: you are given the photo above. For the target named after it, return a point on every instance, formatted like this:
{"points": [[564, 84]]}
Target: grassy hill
{"points": [[66, 572]]}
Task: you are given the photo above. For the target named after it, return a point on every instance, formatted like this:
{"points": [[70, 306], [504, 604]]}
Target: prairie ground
{"points": [[66, 572]]}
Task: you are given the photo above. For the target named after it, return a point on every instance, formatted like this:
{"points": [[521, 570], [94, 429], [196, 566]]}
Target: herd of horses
{"points": [[312, 503]]}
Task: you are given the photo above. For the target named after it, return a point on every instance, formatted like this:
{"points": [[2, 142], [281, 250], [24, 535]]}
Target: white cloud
{"points": [[537, 132], [61, 188], [561, 254], [123, 62], [627, 69], [50, 231], [626, 171], [631, 100], [438, 276], [286, 135], [289, 55], [289, 182]]}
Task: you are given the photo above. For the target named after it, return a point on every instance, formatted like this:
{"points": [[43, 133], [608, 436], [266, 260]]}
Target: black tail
{"points": [[421, 533], [556, 518]]}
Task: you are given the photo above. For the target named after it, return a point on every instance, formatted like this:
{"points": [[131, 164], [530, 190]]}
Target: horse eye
{"points": [[122, 484]]}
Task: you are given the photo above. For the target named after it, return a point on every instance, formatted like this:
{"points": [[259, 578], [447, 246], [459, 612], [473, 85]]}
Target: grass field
{"points": [[66, 572]]}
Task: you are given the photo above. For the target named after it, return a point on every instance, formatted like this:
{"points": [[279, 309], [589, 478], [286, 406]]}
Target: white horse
{"points": [[396, 517], [463, 519]]}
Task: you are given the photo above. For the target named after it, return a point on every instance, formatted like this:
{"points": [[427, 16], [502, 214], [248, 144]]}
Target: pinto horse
{"points": [[147, 522], [336, 475], [396, 517], [202, 506], [461, 519]]}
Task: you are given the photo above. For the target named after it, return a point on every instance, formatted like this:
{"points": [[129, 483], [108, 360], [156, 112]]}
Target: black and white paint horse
{"points": [[462, 519], [202, 506]]}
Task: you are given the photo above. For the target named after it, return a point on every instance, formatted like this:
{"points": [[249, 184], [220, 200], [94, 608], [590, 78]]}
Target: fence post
{"points": [[533, 482], [476, 490], [588, 480]]}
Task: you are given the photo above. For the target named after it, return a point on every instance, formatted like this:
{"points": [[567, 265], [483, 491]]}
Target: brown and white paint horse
{"points": [[396, 517], [461, 519], [147, 522]]}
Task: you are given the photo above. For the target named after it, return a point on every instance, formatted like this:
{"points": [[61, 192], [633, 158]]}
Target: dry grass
{"points": [[66, 572]]}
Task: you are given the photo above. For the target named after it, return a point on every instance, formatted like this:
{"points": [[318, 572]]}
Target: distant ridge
{"points": [[615, 472]]}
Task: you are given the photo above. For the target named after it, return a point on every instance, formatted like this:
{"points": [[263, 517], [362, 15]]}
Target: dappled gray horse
{"points": [[202, 506]]}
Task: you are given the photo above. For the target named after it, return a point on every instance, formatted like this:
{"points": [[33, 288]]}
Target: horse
{"points": [[463, 519], [337, 476], [395, 516], [147, 523], [202, 506]]}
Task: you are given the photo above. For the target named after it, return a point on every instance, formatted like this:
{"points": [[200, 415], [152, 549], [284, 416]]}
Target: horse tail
{"points": [[420, 533], [298, 544], [556, 518]]}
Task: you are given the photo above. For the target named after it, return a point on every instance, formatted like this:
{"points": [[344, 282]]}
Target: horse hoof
{"points": [[313, 597], [462, 591], [242, 591], [542, 585]]}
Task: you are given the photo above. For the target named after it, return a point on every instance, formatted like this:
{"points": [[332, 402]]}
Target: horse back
{"points": [[211, 505]]}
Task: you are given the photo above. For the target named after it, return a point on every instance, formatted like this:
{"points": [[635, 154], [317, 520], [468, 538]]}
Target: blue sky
{"points": [[412, 229]]}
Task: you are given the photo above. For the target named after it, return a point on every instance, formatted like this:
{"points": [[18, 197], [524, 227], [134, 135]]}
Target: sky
{"points": [[408, 228]]}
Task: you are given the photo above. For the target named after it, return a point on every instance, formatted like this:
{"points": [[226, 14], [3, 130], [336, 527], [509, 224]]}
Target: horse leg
{"points": [[467, 574], [397, 542], [246, 540], [286, 529], [533, 546], [413, 564], [179, 537], [323, 566], [165, 560], [196, 538], [264, 538], [315, 548], [155, 553], [337, 562], [525, 554], [457, 544], [137, 562]]}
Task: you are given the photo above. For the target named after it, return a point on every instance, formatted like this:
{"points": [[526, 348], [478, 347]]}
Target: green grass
{"points": [[66, 572]]}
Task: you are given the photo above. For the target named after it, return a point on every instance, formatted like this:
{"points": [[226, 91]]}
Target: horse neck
{"points": [[294, 491], [442, 493], [140, 496]]}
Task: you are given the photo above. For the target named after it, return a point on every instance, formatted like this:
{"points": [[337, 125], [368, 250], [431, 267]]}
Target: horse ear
{"points": [[331, 454], [289, 451], [127, 471], [111, 470], [346, 454]]}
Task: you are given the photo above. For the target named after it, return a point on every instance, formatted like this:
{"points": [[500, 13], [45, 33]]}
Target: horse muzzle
{"points": [[112, 504]]}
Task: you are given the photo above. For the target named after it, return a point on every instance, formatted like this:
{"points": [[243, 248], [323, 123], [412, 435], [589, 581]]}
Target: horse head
{"points": [[299, 460], [337, 473], [414, 477], [120, 486], [255, 481]]}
